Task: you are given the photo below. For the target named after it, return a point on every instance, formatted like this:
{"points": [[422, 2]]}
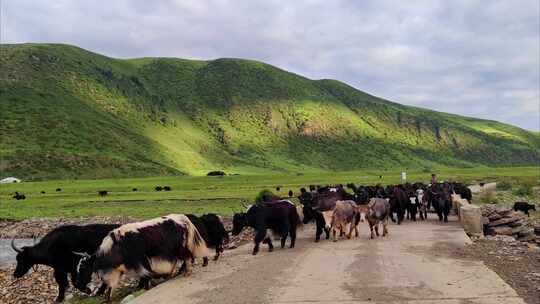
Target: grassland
{"points": [[70, 113], [198, 194]]}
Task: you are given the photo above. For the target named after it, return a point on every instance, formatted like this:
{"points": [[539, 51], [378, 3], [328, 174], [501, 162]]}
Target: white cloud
{"points": [[473, 58]]}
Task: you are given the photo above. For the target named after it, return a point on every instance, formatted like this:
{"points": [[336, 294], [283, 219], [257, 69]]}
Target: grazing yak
{"points": [[377, 212], [145, 250], [524, 207], [280, 217], [212, 230], [344, 214], [19, 196], [56, 249], [103, 192]]}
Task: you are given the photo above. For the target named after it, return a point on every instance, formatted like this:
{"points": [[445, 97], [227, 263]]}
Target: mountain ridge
{"points": [[88, 115]]}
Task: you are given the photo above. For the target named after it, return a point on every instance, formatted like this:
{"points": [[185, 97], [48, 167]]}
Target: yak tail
{"points": [[299, 217], [195, 243]]}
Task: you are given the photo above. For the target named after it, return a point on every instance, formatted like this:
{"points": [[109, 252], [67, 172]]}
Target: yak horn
{"points": [[244, 205], [82, 254], [18, 250]]}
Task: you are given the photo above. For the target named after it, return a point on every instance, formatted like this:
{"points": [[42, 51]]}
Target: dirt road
{"points": [[413, 265]]}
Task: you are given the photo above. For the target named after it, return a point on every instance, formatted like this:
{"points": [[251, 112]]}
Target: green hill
{"points": [[67, 112]]}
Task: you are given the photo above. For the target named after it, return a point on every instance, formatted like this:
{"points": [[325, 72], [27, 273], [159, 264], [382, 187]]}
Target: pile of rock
{"points": [[502, 220]]}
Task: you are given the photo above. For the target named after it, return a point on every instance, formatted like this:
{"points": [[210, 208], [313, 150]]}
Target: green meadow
{"points": [[201, 194], [69, 113]]}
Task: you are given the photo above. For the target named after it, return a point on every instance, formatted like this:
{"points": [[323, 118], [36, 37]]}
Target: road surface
{"points": [[413, 265]]}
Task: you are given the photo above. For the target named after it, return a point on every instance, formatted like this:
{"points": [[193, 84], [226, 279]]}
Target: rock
{"points": [[518, 230], [127, 299], [502, 238], [513, 214], [504, 221], [517, 223], [526, 232], [485, 220], [502, 230], [494, 217], [537, 230], [528, 238], [533, 247]]}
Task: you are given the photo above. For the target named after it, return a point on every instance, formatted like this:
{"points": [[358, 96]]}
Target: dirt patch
{"points": [[517, 263]]}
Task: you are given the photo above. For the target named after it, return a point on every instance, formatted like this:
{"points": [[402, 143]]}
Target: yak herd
{"points": [[167, 246]]}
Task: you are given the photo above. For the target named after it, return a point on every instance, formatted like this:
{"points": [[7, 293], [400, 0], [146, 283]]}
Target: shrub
{"points": [[215, 173], [265, 196], [504, 185], [524, 190], [427, 170]]}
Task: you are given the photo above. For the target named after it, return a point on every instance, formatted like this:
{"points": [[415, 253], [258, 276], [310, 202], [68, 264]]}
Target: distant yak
{"points": [[19, 196]]}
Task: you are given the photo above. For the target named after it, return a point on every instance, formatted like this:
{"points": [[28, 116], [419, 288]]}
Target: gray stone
{"points": [[127, 299]]}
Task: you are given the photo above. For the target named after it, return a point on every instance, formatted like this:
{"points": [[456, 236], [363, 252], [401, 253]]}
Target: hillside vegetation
{"points": [[70, 113]]}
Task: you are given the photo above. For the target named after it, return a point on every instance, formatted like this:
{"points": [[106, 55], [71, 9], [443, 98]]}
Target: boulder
{"points": [[471, 220]]}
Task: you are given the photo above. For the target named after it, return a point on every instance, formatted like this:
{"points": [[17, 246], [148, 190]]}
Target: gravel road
{"points": [[415, 264]]}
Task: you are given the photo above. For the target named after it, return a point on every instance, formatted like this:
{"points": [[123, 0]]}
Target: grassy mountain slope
{"points": [[67, 112]]}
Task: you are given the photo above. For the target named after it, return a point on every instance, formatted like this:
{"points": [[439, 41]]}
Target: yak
{"points": [[56, 248], [145, 250], [212, 230], [377, 212], [280, 217]]}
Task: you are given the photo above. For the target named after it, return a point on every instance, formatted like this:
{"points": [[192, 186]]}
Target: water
{"points": [[7, 254]]}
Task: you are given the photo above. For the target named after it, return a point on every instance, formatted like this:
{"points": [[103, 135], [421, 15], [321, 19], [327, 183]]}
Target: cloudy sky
{"points": [[475, 58]]}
